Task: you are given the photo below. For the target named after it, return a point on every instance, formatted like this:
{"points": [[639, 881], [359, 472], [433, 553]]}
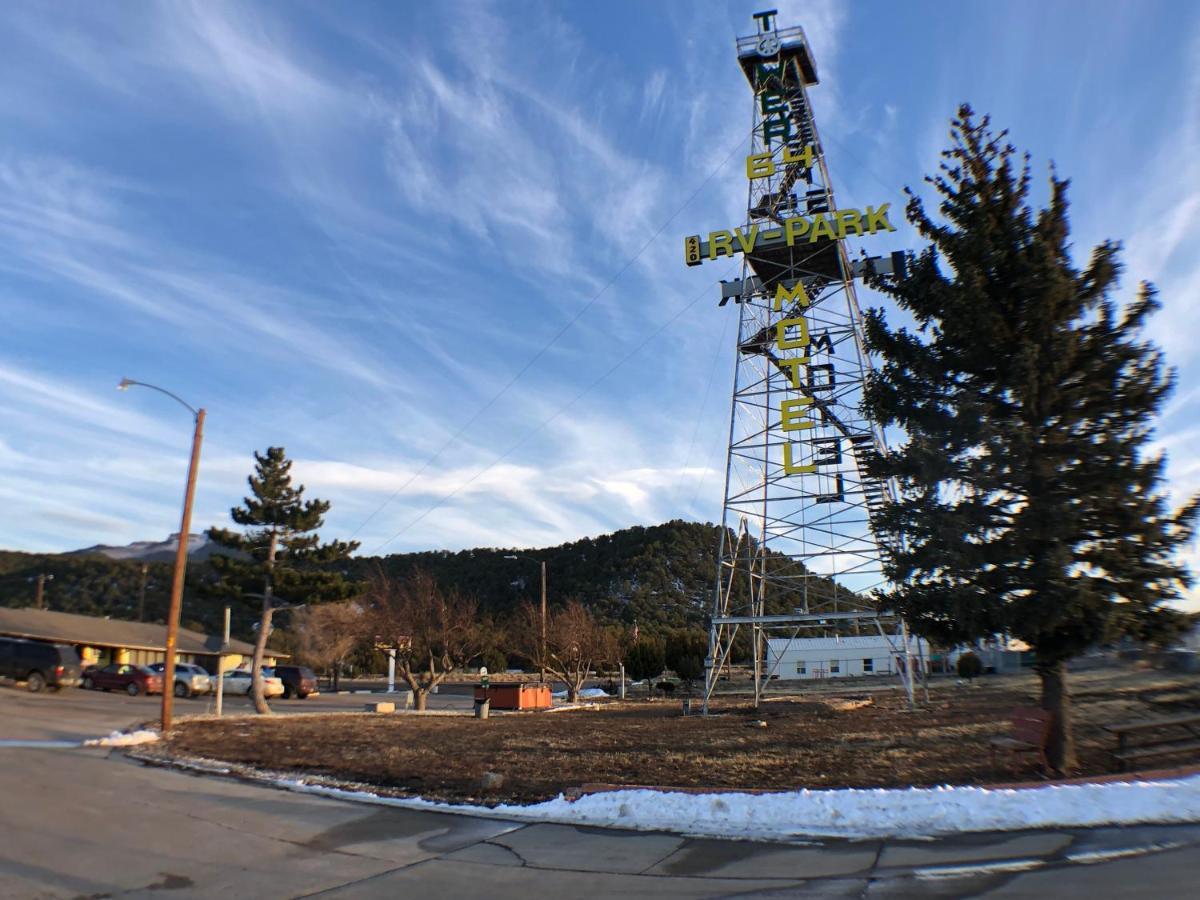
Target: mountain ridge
{"points": [[658, 576]]}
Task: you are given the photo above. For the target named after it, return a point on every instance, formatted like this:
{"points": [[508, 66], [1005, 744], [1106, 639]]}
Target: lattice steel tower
{"points": [[798, 551]]}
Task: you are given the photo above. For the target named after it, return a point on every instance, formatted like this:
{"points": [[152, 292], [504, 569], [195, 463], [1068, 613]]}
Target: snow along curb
{"points": [[125, 739], [848, 813]]}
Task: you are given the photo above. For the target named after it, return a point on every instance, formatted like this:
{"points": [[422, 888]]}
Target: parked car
{"points": [[126, 677], [38, 664], [238, 681], [298, 681], [190, 679]]}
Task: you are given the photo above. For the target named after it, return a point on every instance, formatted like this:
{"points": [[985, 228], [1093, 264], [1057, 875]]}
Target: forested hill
{"points": [[660, 577]]}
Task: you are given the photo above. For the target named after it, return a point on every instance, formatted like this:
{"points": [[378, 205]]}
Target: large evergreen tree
{"points": [[279, 559], [1029, 502]]}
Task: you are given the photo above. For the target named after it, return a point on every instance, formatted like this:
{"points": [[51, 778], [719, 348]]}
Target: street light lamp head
{"points": [[126, 383]]}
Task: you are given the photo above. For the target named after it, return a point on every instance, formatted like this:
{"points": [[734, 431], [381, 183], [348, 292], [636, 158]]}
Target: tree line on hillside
{"points": [[659, 578], [115, 588]]}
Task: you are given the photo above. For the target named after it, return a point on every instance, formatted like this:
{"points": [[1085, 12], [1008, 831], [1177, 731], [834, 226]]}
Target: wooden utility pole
{"points": [[543, 678], [181, 553], [142, 594], [39, 593]]}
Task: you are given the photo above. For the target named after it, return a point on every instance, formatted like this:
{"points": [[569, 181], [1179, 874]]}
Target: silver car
{"points": [[190, 680], [238, 681]]}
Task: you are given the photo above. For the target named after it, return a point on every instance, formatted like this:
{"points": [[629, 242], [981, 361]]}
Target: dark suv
{"points": [[39, 665], [298, 681]]}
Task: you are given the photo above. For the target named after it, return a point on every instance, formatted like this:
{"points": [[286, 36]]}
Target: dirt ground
{"points": [[821, 738]]}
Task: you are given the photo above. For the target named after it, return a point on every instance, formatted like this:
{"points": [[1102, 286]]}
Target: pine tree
{"points": [[645, 660], [1029, 504], [685, 651], [279, 558]]}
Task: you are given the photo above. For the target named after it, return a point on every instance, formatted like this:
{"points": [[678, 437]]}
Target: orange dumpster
{"points": [[514, 695]]}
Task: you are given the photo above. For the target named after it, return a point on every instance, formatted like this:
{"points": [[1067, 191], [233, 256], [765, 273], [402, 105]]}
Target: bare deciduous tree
{"points": [[435, 632], [323, 636], [575, 642]]}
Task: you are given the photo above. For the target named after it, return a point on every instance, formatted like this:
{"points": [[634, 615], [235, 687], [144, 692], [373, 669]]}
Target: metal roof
{"points": [[851, 642], [93, 631]]}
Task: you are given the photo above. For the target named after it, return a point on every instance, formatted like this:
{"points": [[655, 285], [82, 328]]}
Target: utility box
{"points": [[514, 695]]}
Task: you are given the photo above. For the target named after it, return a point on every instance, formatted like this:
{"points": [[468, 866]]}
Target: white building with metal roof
{"points": [[841, 657]]}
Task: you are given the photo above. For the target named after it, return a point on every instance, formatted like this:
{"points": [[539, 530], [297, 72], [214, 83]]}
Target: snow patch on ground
{"points": [[851, 813], [125, 739]]}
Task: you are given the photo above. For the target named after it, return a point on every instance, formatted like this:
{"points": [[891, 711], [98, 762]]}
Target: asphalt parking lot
{"points": [[75, 714]]}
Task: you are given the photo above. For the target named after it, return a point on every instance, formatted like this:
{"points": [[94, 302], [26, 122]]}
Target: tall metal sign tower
{"points": [[798, 551]]}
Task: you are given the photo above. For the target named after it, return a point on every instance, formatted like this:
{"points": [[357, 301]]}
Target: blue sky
{"points": [[434, 250]]}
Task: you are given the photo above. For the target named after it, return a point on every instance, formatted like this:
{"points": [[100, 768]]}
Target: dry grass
{"points": [[821, 739]]}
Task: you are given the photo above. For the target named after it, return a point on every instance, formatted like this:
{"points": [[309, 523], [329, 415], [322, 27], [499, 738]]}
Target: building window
{"points": [[800, 669], [835, 666], [868, 665]]}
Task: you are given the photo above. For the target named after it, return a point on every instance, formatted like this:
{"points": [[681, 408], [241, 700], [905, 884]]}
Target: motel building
{"points": [[100, 641], [842, 657]]}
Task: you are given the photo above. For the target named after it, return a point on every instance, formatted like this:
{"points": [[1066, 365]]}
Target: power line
{"points": [[553, 340], [628, 356]]}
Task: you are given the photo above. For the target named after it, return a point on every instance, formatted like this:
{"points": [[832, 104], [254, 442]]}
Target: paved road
{"points": [[92, 824], [76, 714]]}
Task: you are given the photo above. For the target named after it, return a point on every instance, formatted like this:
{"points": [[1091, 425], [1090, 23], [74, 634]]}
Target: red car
{"points": [[133, 680]]}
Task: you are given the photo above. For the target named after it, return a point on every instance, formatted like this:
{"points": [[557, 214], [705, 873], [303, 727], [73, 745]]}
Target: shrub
{"points": [[969, 666], [496, 661], [645, 660], [685, 652]]}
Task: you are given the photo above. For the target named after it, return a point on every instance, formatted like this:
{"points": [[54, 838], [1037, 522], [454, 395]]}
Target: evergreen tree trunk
{"points": [[1056, 698], [264, 631], [260, 647]]}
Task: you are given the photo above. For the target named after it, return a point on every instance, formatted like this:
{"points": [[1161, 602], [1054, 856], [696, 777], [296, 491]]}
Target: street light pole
{"points": [[181, 552]]}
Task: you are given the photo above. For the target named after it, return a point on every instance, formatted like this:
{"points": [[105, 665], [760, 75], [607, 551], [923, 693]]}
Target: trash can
{"points": [[482, 707]]}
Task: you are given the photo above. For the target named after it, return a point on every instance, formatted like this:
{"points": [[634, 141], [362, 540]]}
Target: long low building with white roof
{"points": [[842, 657]]}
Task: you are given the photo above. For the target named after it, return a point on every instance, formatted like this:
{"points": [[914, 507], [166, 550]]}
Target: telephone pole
{"points": [[39, 592], [542, 641], [142, 594]]}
